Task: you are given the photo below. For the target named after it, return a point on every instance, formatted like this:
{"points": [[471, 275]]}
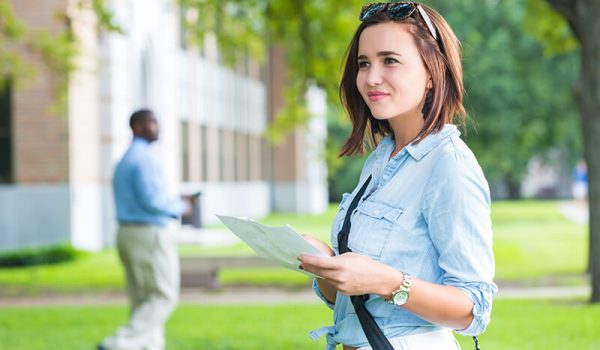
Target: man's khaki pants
{"points": [[149, 256]]}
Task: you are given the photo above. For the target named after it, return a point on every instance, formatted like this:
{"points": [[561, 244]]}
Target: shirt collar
{"points": [[420, 150], [430, 142], [140, 140]]}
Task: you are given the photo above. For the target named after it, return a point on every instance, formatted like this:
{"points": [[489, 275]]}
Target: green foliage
{"points": [[104, 16], [520, 101], [60, 52], [314, 35], [549, 27], [518, 91], [59, 49], [39, 256], [11, 30], [344, 172]]}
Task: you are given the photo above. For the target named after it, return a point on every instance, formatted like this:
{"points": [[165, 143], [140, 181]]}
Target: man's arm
{"points": [[149, 188]]}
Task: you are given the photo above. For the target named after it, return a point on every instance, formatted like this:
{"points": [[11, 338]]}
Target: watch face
{"points": [[400, 297]]}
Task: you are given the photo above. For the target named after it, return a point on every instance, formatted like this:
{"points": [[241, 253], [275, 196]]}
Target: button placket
{"points": [[392, 166]]}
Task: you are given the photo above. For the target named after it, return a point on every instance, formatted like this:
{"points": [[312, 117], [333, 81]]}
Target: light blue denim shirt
{"points": [[426, 212], [139, 188]]}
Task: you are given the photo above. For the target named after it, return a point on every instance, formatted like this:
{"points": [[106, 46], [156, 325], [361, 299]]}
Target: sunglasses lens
{"points": [[401, 10], [370, 11]]}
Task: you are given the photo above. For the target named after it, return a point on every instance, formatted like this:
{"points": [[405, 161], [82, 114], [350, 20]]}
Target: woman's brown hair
{"points": [[442, 59]]}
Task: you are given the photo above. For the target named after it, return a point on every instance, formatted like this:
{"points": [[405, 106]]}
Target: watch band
{"points": [[400, 296]]}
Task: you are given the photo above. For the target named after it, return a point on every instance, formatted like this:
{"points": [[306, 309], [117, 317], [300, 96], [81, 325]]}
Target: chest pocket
{"points": [[372, 225]]}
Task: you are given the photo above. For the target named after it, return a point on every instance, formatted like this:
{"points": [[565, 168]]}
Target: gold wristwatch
{"points": [[400, 296]]}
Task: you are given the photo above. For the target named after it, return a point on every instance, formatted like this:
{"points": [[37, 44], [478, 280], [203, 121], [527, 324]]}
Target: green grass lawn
{"points": [[533, 242], [516, 324], [316, 225]]}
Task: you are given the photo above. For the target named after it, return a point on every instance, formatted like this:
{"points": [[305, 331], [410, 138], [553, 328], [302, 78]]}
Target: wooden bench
{"points": [[201, 271]]}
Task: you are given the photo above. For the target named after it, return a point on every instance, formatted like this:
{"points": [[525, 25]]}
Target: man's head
{"points": [[143, 124]]}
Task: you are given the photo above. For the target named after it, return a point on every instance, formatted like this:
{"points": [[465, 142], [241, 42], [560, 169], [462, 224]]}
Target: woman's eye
{"points": [[363, 64], [389, 60]]}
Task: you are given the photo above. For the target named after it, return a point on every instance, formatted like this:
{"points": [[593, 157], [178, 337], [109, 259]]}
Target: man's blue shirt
{"points": [[425, 212], [139, 188]]}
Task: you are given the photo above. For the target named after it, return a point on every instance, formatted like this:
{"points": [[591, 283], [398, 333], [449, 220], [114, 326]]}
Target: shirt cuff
{"points": [[177, 208], [318, 292], [481, 296]]}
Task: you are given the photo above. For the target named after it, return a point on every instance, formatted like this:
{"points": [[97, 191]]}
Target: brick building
{"points": [[55, 170]]}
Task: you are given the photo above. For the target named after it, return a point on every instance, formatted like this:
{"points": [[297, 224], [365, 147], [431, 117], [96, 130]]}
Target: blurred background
{"points": [[246, 96]]}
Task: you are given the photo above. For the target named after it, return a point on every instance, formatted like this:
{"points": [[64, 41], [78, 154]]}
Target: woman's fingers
{"points": [[320, 245], [322, 266], [321, 262]]}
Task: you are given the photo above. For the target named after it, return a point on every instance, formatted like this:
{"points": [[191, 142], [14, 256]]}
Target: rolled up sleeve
{"points": [[481, 296], [456, 207], [318, 292]]}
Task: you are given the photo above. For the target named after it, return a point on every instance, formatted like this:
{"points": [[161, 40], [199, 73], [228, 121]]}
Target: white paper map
{"points": [[281, 245]]}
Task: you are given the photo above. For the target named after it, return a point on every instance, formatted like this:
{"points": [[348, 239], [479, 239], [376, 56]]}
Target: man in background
{"points": [[580, 183], [146, 249]]}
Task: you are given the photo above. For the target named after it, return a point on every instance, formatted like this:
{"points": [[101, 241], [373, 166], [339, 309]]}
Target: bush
{"points": [[39, 256]]}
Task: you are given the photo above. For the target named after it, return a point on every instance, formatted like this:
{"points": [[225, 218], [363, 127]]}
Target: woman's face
{"points": [[391, 76]]}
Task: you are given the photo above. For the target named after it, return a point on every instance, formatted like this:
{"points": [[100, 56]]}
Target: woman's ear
{"points": [[429, 85]]}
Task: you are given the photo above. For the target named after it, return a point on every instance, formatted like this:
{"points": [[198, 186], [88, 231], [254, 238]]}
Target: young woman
{"points": [[415, 234]]}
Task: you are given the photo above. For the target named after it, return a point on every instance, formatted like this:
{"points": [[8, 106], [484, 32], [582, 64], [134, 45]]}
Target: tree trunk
{"points": [[514, 188], [589, 12], [582, 16]]}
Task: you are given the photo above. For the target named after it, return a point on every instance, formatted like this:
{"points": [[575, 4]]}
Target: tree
{"points": [[583, 19], [522, 106], [518, 99], [313, 33], [59, 50]]}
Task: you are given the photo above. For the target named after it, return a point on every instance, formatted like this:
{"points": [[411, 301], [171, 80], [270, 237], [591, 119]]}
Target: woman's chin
{"points": [[381, 117]]}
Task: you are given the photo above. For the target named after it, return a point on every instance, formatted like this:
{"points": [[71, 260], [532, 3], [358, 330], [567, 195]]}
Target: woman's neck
{"points": [[405, 130]]}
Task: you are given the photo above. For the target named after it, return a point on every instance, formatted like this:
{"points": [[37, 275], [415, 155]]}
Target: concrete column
{"points": [[298, 177]]}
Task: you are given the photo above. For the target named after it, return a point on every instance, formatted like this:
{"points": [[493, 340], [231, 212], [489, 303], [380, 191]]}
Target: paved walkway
{"points": [[270, 296], [575, 211], [206, 237]]}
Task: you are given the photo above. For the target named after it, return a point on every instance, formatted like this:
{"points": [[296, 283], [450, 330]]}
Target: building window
{"points": [[234, 155], [147, 77], [250, 161], [183, 30], [222, 154], [6, 171], [204, 152], [185, 151]]}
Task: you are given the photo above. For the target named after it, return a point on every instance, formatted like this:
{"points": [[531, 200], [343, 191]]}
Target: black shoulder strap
{"points": [[375, 336], [345, 231]]}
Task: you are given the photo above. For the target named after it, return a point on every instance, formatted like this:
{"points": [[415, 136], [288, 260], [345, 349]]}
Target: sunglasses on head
{"points": [[398, 11]]}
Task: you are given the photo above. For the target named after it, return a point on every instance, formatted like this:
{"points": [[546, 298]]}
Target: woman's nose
{"points": [[374, 76]]}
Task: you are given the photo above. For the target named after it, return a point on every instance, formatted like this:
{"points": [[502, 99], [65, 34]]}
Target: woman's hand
{"points": [[354, 274], [327, 289], [320, 245]]}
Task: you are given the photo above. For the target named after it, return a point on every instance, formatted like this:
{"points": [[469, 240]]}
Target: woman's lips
{"points": [[377, 95]]}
